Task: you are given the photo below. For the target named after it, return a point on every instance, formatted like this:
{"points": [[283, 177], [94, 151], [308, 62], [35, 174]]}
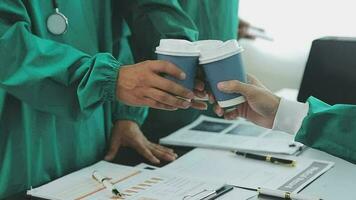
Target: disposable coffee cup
{"points": [[204, 45], [224, 63], [182, 53]]}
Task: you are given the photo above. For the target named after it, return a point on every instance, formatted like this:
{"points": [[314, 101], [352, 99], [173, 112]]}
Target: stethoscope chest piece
{"points": [[57, 23]]}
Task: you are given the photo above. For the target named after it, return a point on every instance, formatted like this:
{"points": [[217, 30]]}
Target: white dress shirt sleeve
{"points": [[290, 115]]}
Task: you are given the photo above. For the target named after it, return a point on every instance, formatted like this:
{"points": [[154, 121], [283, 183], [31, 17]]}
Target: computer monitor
{"points": [[330, 72]]}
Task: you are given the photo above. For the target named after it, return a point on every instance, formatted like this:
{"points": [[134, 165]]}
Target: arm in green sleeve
{"points": [[152, 20], [50, 76], [125, 112], [330, 128], [120, 110]]}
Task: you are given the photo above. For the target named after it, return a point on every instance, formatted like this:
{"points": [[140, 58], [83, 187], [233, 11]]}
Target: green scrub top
{"points": [[330, 128], [214, 19], [57, 93]]}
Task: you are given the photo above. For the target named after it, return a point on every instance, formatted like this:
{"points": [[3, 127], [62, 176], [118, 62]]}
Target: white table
{"points": [[339, 182]]}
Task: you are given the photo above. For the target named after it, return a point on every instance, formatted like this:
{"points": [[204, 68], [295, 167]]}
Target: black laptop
{"points": [[330, 72]]}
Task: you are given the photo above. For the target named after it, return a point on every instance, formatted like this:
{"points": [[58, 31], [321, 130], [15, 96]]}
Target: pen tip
{"points": [[116, 192], [294, 163]]}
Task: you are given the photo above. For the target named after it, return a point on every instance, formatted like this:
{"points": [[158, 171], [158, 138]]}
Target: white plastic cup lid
{"points": [[225, 50], [208, 44], [176, 47]]}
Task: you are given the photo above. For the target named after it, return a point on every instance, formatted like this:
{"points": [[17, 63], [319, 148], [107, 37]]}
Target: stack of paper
{"points": [[216, 133], [134, 184], [199, 172], [196, 174], [219, 165]]}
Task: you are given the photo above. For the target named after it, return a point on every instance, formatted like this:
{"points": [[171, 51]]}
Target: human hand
{"points": [[141, 85], [128, 133], [260, 107], [243, 30], [201, 93]]}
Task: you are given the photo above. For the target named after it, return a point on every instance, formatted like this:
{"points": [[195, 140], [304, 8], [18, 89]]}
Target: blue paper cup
{"points": [[224, 64], [205, 45], [183, 54]]}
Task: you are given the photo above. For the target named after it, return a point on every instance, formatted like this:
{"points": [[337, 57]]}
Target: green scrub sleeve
{"points": [[121, 111], [50, 76], [132, 113], [330, 128], [152, 20]]}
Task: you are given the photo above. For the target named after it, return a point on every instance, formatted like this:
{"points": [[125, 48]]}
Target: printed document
{"points": [[208, 132], [219, 165], [134, 184]]}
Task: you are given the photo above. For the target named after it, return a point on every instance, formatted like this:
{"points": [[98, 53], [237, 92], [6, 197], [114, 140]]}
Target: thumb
{"points": [[235, 87], [113, 149]]}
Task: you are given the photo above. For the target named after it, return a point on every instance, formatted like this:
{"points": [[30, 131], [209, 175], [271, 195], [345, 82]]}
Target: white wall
{"points": [[294, 24]]}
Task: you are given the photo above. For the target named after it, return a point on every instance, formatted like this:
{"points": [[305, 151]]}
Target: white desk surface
{"points": [[339, 183]]}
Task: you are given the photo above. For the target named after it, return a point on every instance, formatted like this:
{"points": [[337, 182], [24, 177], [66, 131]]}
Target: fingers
{"points": [[254, 81], [231, 114], [211, 98], [167, 85], [146, 152], [218, 110], [157, 105], [240, 111], [154, 152], [251, 37], [171, 87], [167, 149], [163, 152], [114, 147], [199, 89], [199, 105], [199, 85], [168, 68], [235, 87], [202, 95], [168, 99]]}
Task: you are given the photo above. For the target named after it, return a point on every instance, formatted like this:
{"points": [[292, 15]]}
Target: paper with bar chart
{"points": [[132, 183]]}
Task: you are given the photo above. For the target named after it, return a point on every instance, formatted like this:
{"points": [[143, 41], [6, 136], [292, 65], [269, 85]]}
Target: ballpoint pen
{"points": [[301, 150], [267, 158], [279, 194], [221, 191], [210, 194], [106, 183], [284, 194]]}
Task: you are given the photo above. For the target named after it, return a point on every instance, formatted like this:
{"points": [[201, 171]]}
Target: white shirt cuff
{"points": [[290, 115]]}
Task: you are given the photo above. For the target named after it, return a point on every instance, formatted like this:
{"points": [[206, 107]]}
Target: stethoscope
{"points": [[57, 22]]}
